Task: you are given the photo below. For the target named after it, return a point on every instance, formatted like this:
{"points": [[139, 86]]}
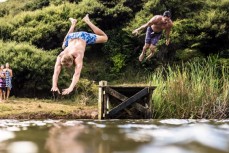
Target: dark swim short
{"points": [[152, 37], [90, 38]]}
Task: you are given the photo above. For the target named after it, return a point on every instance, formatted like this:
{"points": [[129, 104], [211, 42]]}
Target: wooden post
{"points": [[102, 84]]}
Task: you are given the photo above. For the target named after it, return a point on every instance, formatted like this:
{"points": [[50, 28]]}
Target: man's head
{"points": [[66, 60], [167, 14]]}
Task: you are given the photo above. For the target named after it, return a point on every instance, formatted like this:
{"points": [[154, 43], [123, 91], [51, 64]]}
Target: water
{"points": [[2, 1], [114, 136]]}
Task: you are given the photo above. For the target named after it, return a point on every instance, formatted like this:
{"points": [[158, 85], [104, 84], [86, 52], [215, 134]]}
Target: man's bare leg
{"points": [[152, 49], [71, 29], [141, 57], [101, 36], [73, 25]]}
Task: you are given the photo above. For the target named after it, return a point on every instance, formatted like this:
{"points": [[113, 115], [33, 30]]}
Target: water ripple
{"points": [[6, 135]]}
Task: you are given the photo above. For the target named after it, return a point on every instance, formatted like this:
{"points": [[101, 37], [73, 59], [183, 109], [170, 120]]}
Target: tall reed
{"points": [[196, 89]]}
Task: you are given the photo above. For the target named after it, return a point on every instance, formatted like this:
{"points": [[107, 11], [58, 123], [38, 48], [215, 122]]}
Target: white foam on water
{"points": [[142, 126], [165, 149], [203, 134], [2, 1], [224, 126], [13, 128], [137, 137], [22, 147], [72, 123], [49, 121], [97, 124], [40, 124], [176, 121], [100, 125], [6, 135]]}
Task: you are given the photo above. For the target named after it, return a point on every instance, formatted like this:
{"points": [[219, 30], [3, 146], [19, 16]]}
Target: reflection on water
{"points": [[114, 136]]}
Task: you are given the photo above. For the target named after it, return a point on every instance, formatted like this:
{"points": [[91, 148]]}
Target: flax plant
{"points": [[196, 89]]}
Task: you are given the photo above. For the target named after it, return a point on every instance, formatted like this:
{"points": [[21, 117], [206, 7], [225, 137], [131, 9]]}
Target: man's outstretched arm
{"points": [[151, 22], [56, 73], [76, 76]]}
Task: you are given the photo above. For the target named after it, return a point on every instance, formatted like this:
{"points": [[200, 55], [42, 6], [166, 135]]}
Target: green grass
{"points": [[197, 89]]}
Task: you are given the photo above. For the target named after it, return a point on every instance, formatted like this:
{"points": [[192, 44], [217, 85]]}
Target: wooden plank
{"points": [[149, 112], [129, 101], [119, 96], [130, 87], [104, 103], [129, 91], [140, 108], [116, 94], [100, 101]]}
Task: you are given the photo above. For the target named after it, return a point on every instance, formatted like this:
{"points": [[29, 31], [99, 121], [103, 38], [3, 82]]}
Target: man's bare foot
{"points": [[141, 57], [86, 18], [72, 20]]}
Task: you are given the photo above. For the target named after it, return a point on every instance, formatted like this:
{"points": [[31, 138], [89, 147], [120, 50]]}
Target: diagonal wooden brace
{"points": [[128, 101], [116, 94]]}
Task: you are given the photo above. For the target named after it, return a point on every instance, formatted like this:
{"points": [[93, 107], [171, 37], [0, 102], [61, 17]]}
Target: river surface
{"points": [[114, 136]]}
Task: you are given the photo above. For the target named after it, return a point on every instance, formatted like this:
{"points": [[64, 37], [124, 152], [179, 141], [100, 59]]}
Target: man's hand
{"points": [[55, 89], [167, 41], [135, 32], [67, 91]]}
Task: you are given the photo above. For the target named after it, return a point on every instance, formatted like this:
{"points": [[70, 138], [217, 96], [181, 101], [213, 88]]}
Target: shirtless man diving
{"points": [[155, 27], [74, 46]]}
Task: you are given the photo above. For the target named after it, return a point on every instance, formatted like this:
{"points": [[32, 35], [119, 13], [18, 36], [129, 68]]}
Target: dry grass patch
{"points": [[30, 108]]}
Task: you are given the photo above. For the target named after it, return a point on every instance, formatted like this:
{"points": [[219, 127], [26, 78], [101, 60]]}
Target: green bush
{"points": [[200, 29], [32, 67]]}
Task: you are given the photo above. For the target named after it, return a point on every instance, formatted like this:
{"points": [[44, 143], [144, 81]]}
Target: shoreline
{"points": [[81, 114], [22, 108]]}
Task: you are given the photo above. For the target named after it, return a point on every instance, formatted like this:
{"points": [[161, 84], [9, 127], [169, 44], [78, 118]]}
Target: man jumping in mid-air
{"points": [[74, 47], [155, 26]]}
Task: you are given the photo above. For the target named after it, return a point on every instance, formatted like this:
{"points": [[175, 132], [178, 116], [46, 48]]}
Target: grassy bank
{"points": [[197, 89], [42, 109]]}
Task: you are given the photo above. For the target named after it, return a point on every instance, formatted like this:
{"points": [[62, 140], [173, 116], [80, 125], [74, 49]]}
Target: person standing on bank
{"points": [[2, 83], [155, 27], [8, 79], [74, 46]]}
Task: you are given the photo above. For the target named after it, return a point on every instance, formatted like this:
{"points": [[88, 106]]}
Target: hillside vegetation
{"points": [[32, 32]]}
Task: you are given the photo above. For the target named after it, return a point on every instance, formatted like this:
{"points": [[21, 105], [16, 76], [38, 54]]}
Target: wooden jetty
{"points": [[124, 102]]}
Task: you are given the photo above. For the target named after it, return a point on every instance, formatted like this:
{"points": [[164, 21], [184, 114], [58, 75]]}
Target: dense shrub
{"points": [[32, 68], [200, 28]]}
